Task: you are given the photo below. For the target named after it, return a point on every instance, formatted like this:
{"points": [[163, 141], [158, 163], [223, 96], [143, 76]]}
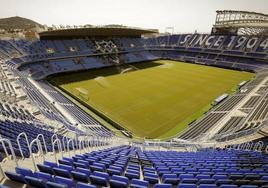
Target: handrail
{"points": [[87, 142], [64, 144], [53, 137], [44, 141], [68, 146], [258, 146], [18, 142], [266, 149], [80, 146], [57, 141], [3, 140], [40, 149]]}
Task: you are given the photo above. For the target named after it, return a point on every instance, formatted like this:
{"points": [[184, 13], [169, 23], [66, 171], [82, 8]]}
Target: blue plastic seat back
{"points": [[79, 176], [24, 171], [66, 181], [35, 182], [51, 164], [120, 178], [62, 172], [66, 167], [55, 185], [140, 183], [183, 185], [44, 176], [182, 176], [228, 186], [85, 185], [207, 186], [162, 186], [83, 170], [15, 177], [45, 168]]}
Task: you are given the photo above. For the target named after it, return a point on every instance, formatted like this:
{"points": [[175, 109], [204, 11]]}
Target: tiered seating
{"points": [[75, 111], [125, 166], [230, 103], [15, 112], [202, 126], [251, 102], [11, 129], [230, 124]]}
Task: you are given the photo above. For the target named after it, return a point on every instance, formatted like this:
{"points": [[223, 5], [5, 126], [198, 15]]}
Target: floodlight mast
{"points": [[169, 31]]}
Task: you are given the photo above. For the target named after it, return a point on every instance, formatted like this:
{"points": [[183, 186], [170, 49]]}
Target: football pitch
{"points": [[158, 100]]}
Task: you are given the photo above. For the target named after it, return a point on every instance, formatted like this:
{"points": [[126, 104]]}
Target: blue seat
{"points": [[207, 186], [118, 184], [45, 169], [97, 168], [65, 181], [189, 181], [151, 178], [264, 178], [55, 185], [15, 177], [35, 182], [65, 162], [162, 186], [224, 182], [206, 181], [132, 175], [84, 185], [51, 164], [24, 171], [66, 167], [164, 176], [202, 176], [139, 183], [83, 170], [248, 186], [182, 176], [81, 165], [113, 171], [44, 176], [172, 181], [228, 186], [99, 178], [219, 177], [120, 178], [62, 172], [183, 185], [80, 177]]}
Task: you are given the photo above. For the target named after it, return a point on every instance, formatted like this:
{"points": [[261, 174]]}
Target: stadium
{"points": [[115, 106]]}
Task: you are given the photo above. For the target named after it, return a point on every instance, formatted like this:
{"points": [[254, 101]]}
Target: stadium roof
{"points": [[95, 32]]}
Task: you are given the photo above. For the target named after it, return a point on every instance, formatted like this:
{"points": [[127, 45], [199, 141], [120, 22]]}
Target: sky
{"points": [[182, 15]]}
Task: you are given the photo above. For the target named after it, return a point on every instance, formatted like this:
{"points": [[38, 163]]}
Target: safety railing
{"points": [[40, 151], [54, 137], [58, 143], [5, 141], [258, 146], [43, 140], [19, 144], [64, 143], [70, 141]]}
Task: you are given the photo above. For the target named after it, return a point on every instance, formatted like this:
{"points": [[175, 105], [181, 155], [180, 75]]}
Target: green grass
{"points": [[157, 101]]}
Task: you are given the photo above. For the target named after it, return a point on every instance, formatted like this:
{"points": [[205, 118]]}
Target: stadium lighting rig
{"points": [[240, 23]]}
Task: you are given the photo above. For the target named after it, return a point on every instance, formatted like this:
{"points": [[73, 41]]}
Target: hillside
{"points": [[18, 23]]}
